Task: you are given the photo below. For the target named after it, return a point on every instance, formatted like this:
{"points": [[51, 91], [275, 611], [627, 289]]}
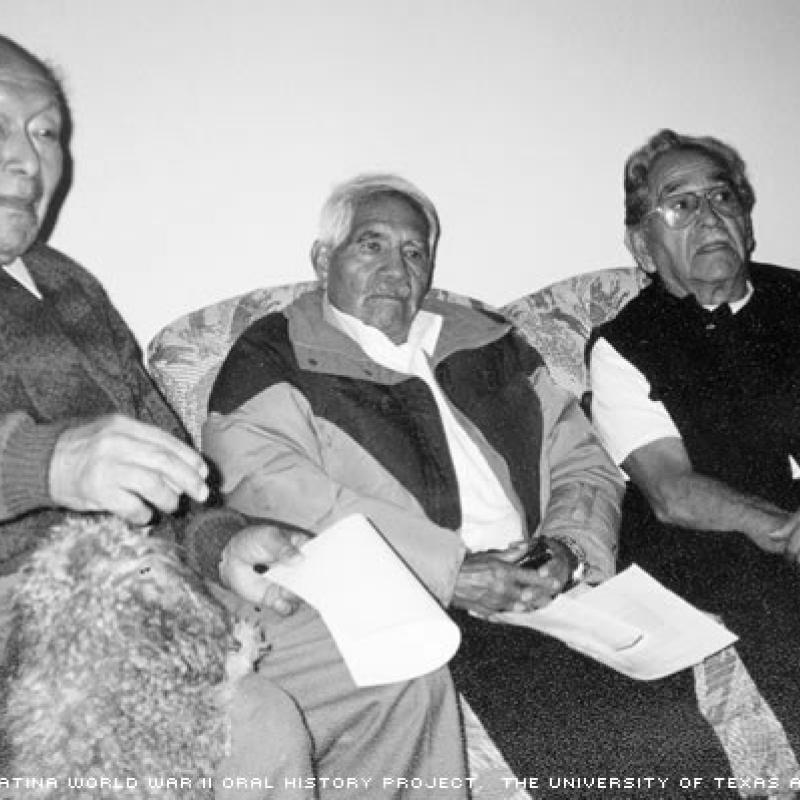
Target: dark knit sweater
{"points": [[65, 359]]}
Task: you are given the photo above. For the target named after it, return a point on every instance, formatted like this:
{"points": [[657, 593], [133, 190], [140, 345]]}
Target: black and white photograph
{"points": [[399, 400]]}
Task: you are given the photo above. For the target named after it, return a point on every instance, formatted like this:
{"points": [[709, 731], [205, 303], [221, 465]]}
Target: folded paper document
{"points": [[388, 627], [631, 623]]}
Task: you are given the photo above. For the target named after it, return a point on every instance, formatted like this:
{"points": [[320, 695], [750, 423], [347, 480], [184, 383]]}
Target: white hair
{"points": [[337, 213]]}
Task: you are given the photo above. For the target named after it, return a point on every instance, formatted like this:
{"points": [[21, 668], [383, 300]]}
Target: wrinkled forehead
{"points": [[685, 170], [389, 208]]}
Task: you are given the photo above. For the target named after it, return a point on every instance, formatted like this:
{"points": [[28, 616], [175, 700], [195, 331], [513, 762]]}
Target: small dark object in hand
{"points": [[537, 556]]}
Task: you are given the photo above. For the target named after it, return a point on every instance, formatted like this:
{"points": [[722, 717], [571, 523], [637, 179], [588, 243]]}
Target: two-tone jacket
{"points": [[305, 429]]}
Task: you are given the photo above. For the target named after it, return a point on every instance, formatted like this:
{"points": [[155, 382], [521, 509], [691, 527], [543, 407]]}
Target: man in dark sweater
{"points": [[83, 429], [696, 393]]}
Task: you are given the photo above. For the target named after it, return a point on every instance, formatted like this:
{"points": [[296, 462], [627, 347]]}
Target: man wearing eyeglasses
{"points": [[696, 393]]}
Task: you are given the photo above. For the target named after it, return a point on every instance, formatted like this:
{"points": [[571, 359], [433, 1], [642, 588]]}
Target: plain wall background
{"points": [[208, 132]]}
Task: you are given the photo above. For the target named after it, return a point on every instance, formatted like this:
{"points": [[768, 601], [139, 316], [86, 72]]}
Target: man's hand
{"points": [[126, 467], [785, 539], [259, 546], [489, 582], [560, 566]]}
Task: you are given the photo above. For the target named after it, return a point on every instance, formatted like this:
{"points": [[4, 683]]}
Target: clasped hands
{"points": [[785, 539], [490, 582]]}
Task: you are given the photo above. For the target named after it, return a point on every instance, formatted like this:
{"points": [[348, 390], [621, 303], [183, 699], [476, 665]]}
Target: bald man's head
{"points": [[33, 115], [17, 62]]}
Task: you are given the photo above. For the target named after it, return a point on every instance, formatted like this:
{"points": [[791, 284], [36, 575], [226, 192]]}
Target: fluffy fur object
{"points": [[118, 669]]}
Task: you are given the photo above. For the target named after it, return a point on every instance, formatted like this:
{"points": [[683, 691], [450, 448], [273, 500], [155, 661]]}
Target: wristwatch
{"points": [[578, 563]]}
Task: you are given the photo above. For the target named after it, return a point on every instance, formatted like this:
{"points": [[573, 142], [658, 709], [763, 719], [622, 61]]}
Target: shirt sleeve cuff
{"points": [[207, 534], [27, 450]]}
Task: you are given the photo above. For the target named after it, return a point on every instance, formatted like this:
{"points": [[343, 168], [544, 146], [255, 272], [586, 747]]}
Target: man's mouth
{"points": [[712, 247], [26, 205], [398, 293]]}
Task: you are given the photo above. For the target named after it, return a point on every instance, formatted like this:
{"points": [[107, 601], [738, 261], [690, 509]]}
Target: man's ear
{"points": [[750, 239], [321, 258], [636, 242]]}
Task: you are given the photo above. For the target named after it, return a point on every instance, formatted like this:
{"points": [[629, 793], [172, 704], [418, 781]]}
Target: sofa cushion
{"points": [[557, 319]]}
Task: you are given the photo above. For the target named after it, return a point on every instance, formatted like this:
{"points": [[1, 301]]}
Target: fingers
{"points": [[256, 587], [487, 585], [174, 464], [128, 506], [124, 466], [281, 600], [792, 551], [245, 565], [267, 544]]}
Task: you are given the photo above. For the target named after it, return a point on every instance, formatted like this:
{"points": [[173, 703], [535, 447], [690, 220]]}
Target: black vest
{"points": [[732, 386]]}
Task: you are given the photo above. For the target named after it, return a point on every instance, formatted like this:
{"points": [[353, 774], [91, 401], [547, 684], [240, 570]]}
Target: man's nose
{"points": [[395, 262], [707, 214], [19, 154]]}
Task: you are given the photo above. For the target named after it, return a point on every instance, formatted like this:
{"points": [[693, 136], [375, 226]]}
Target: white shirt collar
{"points": [[489, 518], [19, 272], [423, 335], [736, 305]]}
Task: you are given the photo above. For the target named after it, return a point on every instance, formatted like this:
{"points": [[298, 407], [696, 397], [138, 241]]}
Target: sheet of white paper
{"points": [[388, 627], [633, 624]]}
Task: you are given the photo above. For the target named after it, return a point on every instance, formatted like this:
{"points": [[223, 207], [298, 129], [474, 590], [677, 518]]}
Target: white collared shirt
{"points": [[19, 272], [489, 519]]}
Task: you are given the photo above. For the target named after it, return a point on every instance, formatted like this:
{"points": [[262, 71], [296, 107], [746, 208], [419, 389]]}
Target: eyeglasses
{"points": [[678, 210]]}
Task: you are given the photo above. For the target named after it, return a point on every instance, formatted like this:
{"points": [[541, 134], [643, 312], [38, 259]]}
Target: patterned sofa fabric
{"points": [[557, 320], [185, 356]]}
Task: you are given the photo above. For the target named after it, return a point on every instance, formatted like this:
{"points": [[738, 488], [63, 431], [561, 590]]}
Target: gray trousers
{"points": [[401, 740]]}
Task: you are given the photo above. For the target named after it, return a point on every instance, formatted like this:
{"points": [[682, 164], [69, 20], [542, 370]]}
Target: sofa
{"points": [[185, 356]]}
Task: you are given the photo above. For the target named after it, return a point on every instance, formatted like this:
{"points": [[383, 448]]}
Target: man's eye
{"points": [[680, 203], [46, 132], [371, 246], [725, 196]]}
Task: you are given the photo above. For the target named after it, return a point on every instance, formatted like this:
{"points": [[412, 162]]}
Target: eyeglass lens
{"points": [[680, 209]]}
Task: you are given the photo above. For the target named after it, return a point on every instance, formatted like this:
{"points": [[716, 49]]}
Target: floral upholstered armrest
{"points": [[186, 355], [558, 319]]}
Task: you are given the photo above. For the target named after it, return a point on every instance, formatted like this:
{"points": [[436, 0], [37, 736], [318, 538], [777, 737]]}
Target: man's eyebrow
{"points": [[368, 233], [719, 177]]}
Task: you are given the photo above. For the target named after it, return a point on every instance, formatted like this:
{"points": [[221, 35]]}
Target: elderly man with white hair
{"points": [[434, 420]]}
